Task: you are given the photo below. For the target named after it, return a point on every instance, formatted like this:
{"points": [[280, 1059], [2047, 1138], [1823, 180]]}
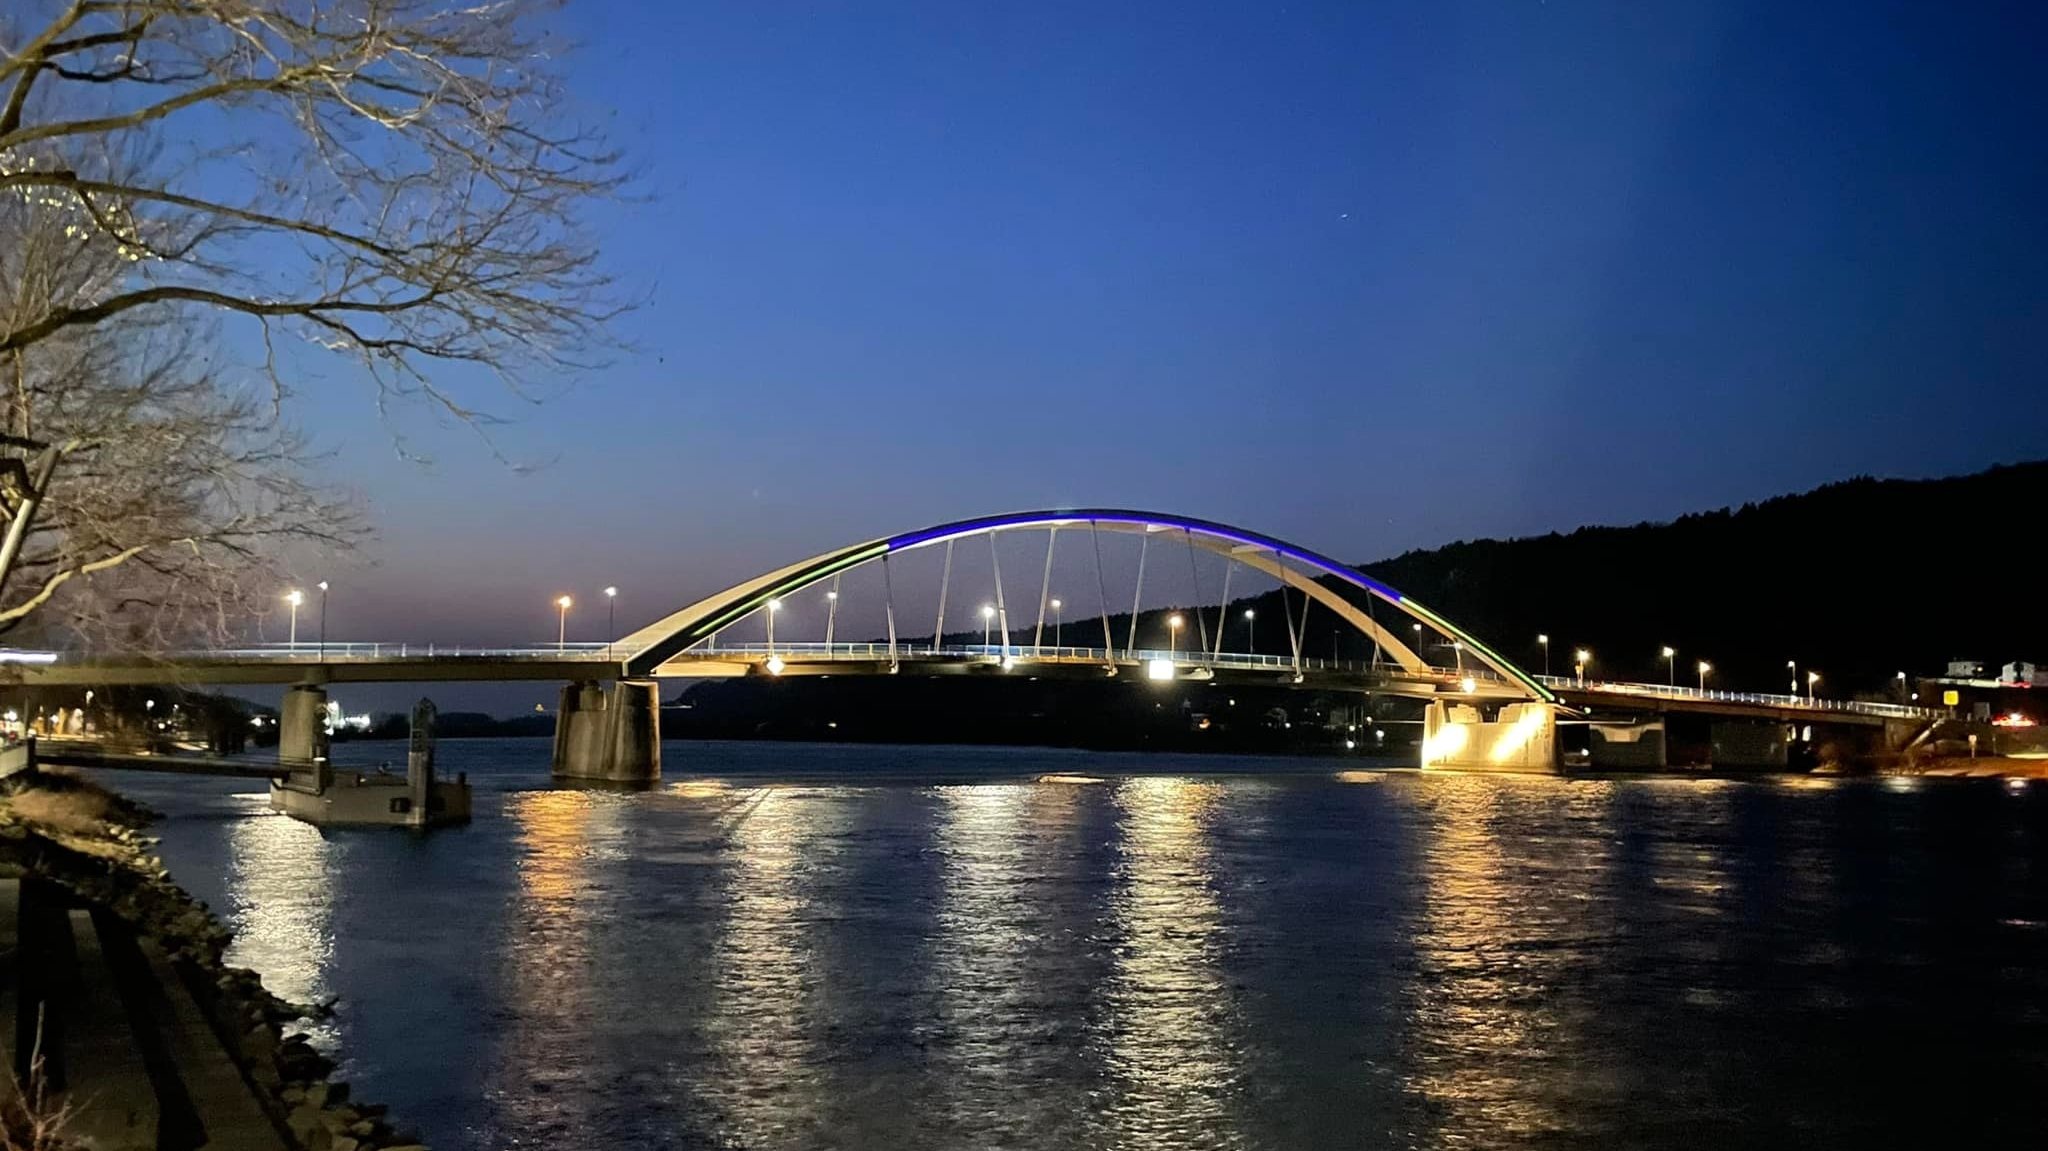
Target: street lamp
{"points": [[1056, 605], [1582, 657], [1251, 630], [1173, 623], [611, 619], [1670, 665], [1792, 670], [831, 614], [1543, 641], [1812, 677], [774, 606], [562, 604], [322, 585], [1416, 626], [295, 597], [988, 615], [1705, 667]]}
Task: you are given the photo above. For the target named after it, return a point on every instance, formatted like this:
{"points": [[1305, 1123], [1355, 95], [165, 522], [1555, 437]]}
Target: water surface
{"points": [[808, 946]]}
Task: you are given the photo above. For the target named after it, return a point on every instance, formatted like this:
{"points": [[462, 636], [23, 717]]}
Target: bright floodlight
{"points": [[1055, 604], [1813, 677], [1159, 669], [774, 605], [1250, 614], [611, 592], [295, 597], [775, 665], [1669, 652], [1544, 640], [1705, 667], [987, 612], [1582, 655], [831, 595], [1174, 621], [322, 585], [1469, 685]]}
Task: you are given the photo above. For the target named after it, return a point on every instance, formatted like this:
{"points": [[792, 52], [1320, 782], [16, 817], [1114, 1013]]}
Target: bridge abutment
{"points": [[611, 734], [1521, 738]]}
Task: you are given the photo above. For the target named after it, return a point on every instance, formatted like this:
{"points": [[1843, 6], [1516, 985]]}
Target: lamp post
{"points": [[1251, 631], [1670, 666], [611, 619], [1705, 667], [1543, 641], [1418, 642], [295, 597], [988, 615], [1792, 670], [1812, 677], [831, 616], [562, 604], [1173, 623], [774, 606], [1056, 605], [322, 585], [1581, 658]]}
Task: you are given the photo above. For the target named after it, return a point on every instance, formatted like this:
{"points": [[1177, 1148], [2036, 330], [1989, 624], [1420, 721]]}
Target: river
{"points": [[811, 946]]}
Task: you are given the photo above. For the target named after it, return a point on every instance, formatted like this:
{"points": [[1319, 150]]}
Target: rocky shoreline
{"points": [[93, 843]]}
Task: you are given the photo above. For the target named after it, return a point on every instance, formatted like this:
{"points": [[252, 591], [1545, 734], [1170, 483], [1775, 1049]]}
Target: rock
{"points": [[343, 1143], [304, 1120], [316, 1094], [361, 1128]]}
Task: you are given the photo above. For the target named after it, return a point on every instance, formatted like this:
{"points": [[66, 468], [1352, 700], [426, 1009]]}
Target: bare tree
{"points": [[179, 491], [401, 182]]}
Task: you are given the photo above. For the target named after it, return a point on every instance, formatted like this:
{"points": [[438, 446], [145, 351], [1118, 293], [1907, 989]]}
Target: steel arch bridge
{"points": [[682, 642]]}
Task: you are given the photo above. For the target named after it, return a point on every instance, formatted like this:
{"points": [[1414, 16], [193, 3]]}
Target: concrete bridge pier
{"points": [[1522, 737], [302, 735], [613, 735]]}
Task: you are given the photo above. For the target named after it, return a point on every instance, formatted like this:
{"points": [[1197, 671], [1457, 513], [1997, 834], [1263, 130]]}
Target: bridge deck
{"points": [[414, 663]]}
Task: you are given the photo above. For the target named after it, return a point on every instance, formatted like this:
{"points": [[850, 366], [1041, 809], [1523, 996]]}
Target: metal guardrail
{"points": [[356, 652], [1761, 699], [995, 653]]}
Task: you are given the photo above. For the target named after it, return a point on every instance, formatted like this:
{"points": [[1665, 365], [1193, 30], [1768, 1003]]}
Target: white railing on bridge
{"points": [[332, 651], [1761, 699], [996, 653]]}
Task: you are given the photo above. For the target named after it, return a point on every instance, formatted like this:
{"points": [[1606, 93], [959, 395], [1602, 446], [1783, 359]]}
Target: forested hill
{"points": [[1857, 579]]}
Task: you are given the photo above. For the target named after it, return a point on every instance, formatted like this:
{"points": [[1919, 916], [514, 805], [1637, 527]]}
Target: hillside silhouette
{"points": [[1858, 579]]}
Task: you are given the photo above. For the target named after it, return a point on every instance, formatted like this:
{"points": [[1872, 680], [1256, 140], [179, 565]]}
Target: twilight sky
{"points": [[1368, 277]]}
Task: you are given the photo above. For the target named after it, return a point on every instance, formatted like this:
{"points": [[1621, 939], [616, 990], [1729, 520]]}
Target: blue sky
{"points": [[1369, 277]]}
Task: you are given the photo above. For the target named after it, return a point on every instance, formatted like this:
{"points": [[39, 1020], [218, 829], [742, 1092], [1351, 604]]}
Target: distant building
{"points": [[2007, 700]]}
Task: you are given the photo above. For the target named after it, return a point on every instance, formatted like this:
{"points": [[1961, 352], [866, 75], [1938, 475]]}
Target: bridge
{"points": [[1480, 709]]}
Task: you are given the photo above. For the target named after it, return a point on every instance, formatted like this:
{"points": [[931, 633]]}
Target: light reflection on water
{"points": [[1168, 1010], [1154, 962], [281, 904]]}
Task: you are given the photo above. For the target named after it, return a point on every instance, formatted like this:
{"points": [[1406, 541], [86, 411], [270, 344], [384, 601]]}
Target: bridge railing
{"points": [[1762, 699], [332, 651], [995, 652]]}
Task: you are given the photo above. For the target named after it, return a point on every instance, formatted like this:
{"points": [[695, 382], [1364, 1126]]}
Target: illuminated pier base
{"points": [[612, 735], [1522, 737]]}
